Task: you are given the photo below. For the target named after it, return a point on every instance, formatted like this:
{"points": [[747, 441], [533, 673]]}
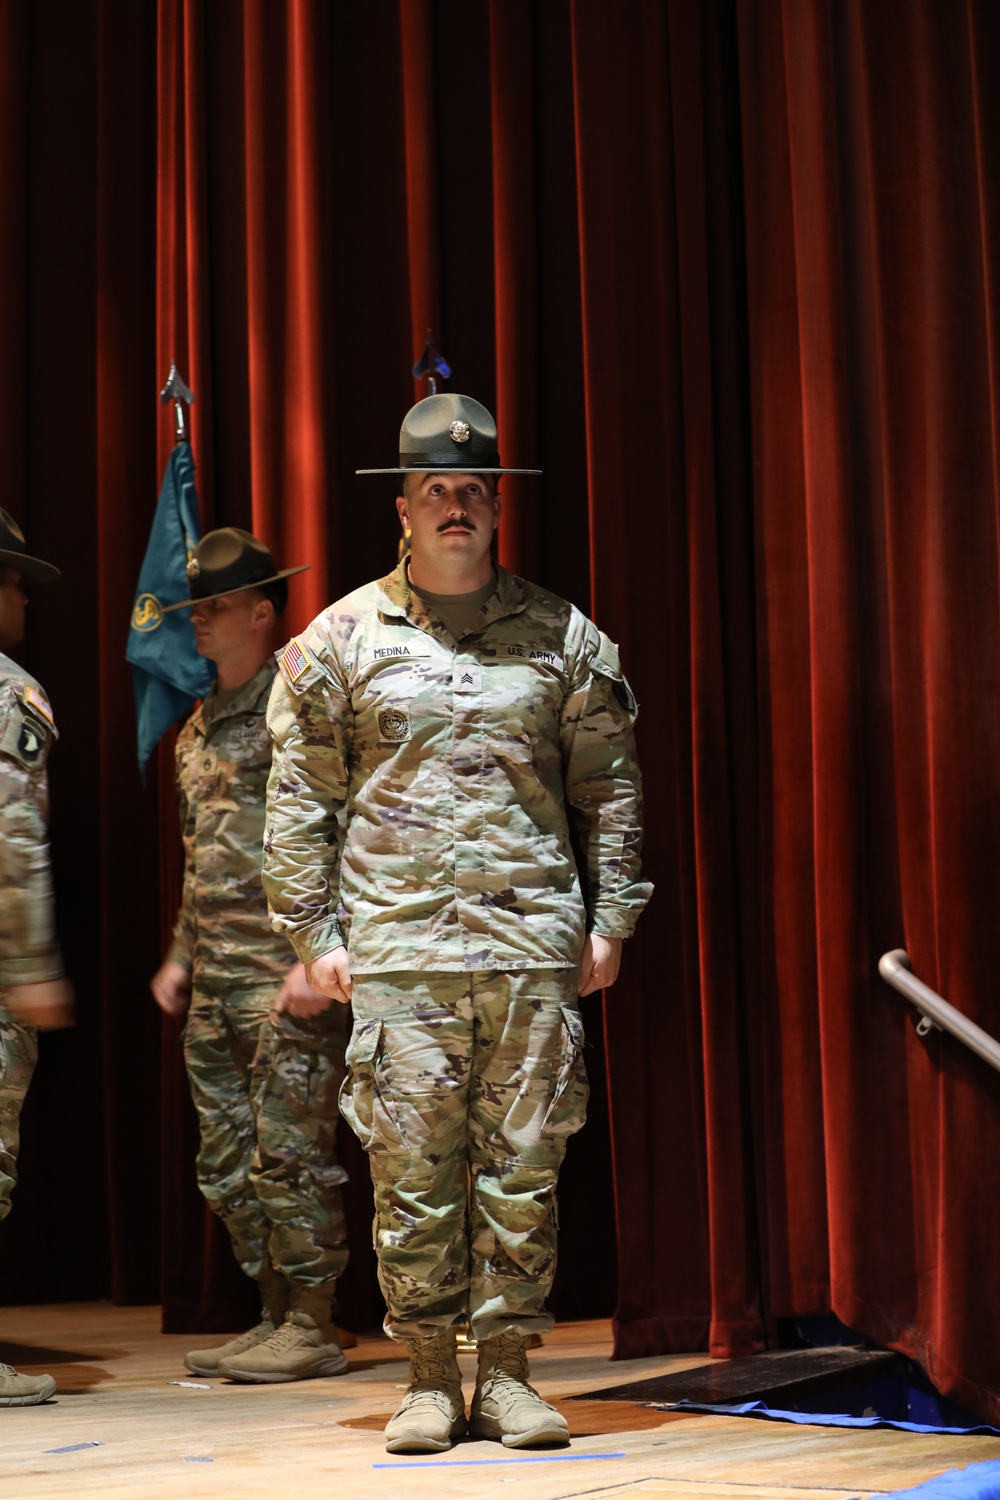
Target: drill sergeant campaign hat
{"points": [[226, 562], [448, 431], [14, 554]]}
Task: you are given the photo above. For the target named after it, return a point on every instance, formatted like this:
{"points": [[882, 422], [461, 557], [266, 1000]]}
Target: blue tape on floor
{"points": [[73, 1448], [822, 1419], [976, 1482], [475, 1463]]}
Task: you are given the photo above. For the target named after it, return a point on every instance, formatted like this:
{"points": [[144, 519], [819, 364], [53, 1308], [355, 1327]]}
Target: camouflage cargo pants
{"points": [[18, 1055], [464, 1089], [265, 1087]]}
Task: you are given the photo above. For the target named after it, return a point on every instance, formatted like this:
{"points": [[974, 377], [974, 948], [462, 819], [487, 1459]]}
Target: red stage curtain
{"points": [[726, 272]]}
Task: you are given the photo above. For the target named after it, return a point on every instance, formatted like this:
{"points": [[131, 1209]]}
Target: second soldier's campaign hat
{"points": [[448, 431], [226, 562], [14, 554]]}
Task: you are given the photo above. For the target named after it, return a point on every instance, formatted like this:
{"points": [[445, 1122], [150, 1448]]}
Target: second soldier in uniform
{"points": [[264, 1053], [33, 993]]}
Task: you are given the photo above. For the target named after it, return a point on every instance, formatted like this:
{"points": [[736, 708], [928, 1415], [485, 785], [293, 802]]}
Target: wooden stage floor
{"points": [[119, 1428]]}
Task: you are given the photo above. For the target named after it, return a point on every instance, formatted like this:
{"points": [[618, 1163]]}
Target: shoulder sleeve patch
{"points": [[26, 734], [607, 663], [40, 704], [607, 660], [299, 667]]}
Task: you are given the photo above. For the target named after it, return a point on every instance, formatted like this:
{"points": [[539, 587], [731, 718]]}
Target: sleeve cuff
{"points": [[612, 924], [312, 942], [30, 970], [180, 953]]}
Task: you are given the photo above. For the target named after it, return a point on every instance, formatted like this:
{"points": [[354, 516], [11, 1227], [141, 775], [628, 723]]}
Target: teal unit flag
{"points": [[167, 670]]}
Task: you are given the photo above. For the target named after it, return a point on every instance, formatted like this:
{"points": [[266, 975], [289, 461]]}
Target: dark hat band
{"points": [[465, 460], [245, 573]]}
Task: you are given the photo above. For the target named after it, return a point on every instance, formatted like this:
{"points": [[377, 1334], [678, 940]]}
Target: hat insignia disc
{"points": [[460, 432], [193, 568]]}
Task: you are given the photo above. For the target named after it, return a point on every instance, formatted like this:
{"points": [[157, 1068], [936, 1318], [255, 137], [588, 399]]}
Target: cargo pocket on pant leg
{"points": [[567, 1109], [363, 1099]]}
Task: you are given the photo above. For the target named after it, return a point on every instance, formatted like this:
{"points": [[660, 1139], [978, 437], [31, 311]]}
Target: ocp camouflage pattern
{"points": [[461, 765], [223, 934], [29, 952], [464, 1089], [18, 1055], [266, 1090]]}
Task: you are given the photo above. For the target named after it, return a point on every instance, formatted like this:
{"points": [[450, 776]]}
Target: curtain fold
{"points": [[727, 273]]}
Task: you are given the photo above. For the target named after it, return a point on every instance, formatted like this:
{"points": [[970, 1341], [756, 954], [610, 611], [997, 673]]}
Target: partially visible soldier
{"points": [[264, 1055], [34, 995], [467, 722]]}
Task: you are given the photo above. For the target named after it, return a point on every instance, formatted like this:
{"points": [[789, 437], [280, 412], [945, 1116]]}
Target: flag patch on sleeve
{"points": [[40, 704], [294, 662]]}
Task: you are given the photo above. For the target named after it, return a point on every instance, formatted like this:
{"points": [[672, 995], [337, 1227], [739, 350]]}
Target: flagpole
{"points": [[180, 393]]}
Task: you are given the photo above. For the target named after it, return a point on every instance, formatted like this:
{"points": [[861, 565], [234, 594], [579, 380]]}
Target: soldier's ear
{"points": [[402, 511], [264, 612]]}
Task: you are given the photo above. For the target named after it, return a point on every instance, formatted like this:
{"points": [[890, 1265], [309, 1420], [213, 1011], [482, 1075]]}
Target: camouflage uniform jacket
{"points": [[29, 953], [460, 767], [223, 934]]}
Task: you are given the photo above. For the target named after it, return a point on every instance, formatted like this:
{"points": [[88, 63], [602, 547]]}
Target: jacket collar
{"points": [[243, 701], [398, 600]]}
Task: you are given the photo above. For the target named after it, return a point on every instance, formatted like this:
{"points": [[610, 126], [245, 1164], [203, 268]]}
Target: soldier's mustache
{"points": [[457, 526]]}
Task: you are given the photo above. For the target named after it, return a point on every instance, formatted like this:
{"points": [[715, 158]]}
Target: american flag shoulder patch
{"points": [[294, 662], [39, 703]]}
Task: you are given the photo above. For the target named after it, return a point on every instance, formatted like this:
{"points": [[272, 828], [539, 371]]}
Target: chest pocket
{"points": [[523, 696], [246, 741], [391, 691]]}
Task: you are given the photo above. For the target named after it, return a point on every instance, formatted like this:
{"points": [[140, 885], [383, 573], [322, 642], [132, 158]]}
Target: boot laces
{"points": [[7, 1370], [431, 1366], [285, 1337], [506, 1380]]}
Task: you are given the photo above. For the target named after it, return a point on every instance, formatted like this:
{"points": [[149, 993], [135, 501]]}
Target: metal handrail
{"points": [[936, 1013]]}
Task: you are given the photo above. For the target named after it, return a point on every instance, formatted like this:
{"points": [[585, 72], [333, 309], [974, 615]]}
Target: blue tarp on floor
{"points": [[829, 1419], [977, 1482]]}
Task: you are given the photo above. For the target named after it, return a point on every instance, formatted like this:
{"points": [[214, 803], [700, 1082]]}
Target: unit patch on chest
{"points": [[394, 725]]}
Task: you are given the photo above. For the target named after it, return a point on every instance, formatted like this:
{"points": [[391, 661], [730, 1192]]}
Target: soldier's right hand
{"points": [[331, 975], [171, 986], [46, 1006]]}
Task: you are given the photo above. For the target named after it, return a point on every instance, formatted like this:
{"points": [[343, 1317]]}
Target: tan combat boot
{"points": [[274, 1303], [432, 1415], [24, 1390], [505, 1407], [303, 1347]]}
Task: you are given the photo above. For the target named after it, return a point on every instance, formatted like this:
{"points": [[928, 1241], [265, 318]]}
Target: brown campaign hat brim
{"points": [[471, 468], [32, 569], [258, 583]]}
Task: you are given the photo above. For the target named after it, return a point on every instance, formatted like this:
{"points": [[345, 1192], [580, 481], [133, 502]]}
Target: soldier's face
{"points": [[13, 602], [223, 627], [450, 517]]}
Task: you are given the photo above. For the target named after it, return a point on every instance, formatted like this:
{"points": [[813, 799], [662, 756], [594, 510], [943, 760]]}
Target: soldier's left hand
{"points": [[599, 963], [297, 998], [47, 1006]]}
